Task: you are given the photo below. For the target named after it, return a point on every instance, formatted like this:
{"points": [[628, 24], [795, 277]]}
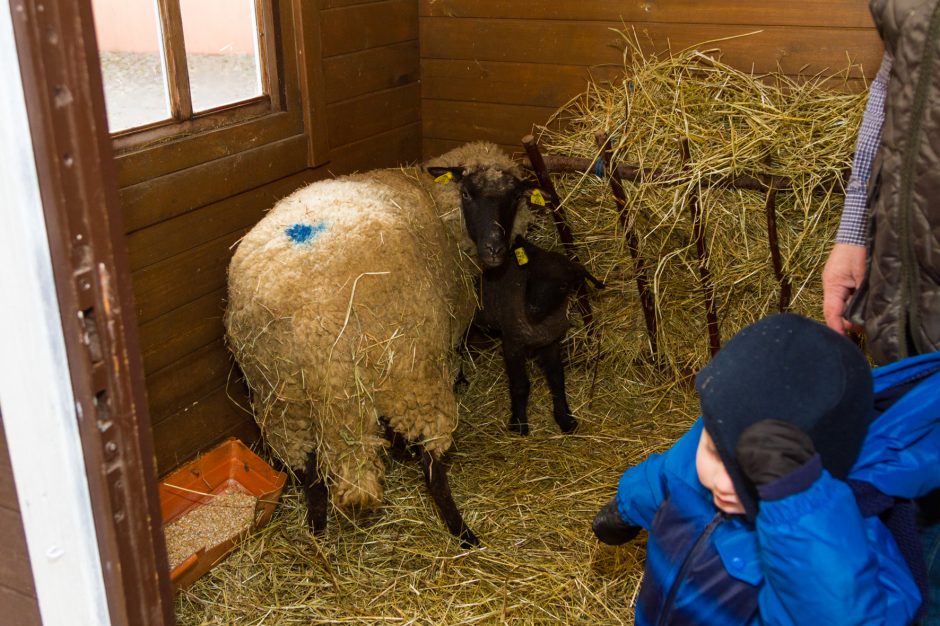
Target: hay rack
{"points": [[544, 165]]}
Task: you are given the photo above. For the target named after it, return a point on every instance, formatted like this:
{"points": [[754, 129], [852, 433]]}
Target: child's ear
{"points": [[446, 174]]}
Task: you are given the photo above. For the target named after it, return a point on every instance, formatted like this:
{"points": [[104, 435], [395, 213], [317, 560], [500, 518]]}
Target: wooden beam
{"points": [[173, 335], [184, 434], [164, 286], [177, 235], [362, 72], [822, 13], [183, 384], [361, 26], [788, 49], [165, 197], [476, 121], [373, 114], [174, 51], [64, 98], [308, 35]]}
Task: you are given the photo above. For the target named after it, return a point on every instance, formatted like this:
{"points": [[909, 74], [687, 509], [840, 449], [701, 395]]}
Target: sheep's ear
{"points": [[536, 196], [446, 174]]}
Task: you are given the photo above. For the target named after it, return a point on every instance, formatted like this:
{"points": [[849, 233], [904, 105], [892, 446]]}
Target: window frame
{"points": [[293, 92], [183, 120]]}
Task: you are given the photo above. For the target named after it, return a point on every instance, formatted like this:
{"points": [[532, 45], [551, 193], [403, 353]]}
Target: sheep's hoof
{"points": [[461, 382], [316, 522], [468, 539], [567, 425], [520, 428]]}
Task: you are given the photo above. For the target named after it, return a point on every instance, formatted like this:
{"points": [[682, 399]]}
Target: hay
{"points": [[734, 125], [531, 500]]}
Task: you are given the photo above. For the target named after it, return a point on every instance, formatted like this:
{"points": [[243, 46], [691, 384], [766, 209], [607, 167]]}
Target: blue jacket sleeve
{"points": [[824, 563], [642, 488]]}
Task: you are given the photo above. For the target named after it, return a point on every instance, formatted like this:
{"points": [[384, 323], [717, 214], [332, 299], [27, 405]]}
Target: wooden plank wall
{"points": [[18, 603], [490, 69], [180, 234]]}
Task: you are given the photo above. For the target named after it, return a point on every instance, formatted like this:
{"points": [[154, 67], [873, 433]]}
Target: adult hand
{"points": [[841, 276], [610, 528]]}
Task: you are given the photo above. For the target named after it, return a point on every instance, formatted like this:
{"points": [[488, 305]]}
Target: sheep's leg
{"points": [[401, 450], [435, 473], [461, 380], [316, 492], [553, 366], [514, 357]]}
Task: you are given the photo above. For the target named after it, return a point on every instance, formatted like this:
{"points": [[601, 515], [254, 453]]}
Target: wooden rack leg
{"points": [[698, 235], [773, 240], [561, 224], [642, 284]]}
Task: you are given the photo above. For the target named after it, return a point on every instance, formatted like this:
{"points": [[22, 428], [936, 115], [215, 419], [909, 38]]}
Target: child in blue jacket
{"points": [[788, 502]]}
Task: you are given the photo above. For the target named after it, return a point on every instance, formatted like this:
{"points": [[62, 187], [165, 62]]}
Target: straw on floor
{"points": [[531, 500]]}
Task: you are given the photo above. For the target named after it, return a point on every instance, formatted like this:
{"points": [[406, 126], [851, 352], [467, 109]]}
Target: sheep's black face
{"points": [[489, 199]]}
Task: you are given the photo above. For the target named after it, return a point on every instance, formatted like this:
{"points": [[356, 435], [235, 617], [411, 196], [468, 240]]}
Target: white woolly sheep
{"points": [[345, 304]]}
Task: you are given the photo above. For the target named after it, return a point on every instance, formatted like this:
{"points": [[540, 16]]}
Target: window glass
{"points": [[132, 62], [221, 51]]}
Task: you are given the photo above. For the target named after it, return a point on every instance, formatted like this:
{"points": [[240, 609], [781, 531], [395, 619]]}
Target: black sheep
{"points": [[525, 288], [525, 300]]}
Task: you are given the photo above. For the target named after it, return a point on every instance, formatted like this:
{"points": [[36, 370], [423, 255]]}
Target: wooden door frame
{"points": [[76, 184]]}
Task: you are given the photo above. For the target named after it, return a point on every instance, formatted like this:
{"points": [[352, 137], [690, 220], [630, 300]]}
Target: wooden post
{"points": [[545, 181], [561, 224], [639, 269], [698, 235], [770, 207]]}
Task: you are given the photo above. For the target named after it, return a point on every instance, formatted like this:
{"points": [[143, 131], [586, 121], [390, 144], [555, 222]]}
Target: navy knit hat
{"points": [[789, 368]]}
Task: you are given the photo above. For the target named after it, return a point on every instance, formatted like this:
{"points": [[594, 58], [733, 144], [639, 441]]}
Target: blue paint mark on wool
{"points": [[304, 233]]}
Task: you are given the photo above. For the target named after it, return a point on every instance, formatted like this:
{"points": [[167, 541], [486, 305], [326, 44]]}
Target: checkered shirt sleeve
{"points": [[854, 225]]}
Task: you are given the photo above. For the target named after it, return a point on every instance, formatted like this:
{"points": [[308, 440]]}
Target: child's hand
{"points": [[771, 449], [610, 528]]}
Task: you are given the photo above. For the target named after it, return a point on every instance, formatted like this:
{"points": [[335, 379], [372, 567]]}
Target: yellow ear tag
{"points": [[521, 258], [444, 178], [537, 198]]}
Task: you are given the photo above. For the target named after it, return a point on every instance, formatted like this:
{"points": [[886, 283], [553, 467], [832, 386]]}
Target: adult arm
{"points": [[845, 267]]}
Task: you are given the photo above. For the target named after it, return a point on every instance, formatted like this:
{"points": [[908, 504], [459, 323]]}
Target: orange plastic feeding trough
{"points": [[229, 468]]}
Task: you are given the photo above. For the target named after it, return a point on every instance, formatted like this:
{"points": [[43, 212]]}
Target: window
{"points": [[178, 67], [240, 103]]}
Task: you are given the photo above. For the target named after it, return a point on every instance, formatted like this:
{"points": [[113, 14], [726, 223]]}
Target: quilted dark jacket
{"points": [[899, 301]]}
